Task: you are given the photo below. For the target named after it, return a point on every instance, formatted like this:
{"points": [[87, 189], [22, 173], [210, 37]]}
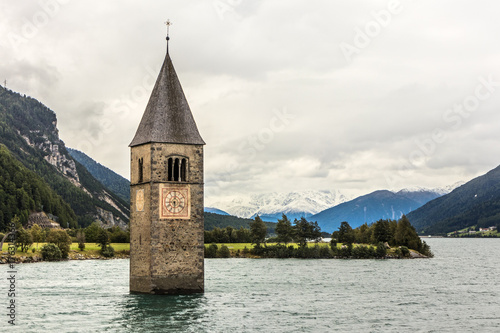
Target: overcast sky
{"points": [[289, 95]]}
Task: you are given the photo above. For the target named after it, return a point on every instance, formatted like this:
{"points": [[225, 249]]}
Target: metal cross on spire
{"points": [[168, 24]]}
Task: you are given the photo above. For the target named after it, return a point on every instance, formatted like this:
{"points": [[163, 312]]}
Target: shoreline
{"points": [[27, 259], [20, 259]]}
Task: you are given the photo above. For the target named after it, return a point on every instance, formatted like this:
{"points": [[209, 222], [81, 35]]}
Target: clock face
{"points": [[174, 202]]}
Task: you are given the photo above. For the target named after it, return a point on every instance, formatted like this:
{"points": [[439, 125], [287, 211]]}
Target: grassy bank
{"points": [[91, 251], [122, 250]]}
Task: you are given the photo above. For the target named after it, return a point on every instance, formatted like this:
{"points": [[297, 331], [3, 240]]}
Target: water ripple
{"points": [[456, 291]]}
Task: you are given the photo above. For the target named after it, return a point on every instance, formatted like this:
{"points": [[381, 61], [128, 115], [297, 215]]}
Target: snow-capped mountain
{"points": [[270, 206], [439, 190], [378, 205]]}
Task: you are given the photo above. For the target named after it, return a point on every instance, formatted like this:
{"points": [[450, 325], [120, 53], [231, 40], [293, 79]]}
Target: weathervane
{"points": [[168, 24]]}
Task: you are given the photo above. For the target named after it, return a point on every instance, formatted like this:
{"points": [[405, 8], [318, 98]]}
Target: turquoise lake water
{"points": [[457, 291]]}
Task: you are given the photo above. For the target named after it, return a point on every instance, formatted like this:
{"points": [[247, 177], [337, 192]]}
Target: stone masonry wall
{"points": [[170, 260]]}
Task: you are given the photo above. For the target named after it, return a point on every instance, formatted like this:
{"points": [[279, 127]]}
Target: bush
{"points": [[360, 252], [92, 231], [381, 250], [108, 251], [117, 235], [223, 252], [404, 251], [102, 238], [425, 249], [345, 251], [211, 251], [51, 252], [33, 250], [333, 244], [324, 252], [61, 239]]}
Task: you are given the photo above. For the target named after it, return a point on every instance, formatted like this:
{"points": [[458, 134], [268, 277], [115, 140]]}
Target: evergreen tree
{"points": [[258, 231], [284, 230], [406, 235], [304, 231], [345, 233], [381, 231], [362, 234], [229, 234]]}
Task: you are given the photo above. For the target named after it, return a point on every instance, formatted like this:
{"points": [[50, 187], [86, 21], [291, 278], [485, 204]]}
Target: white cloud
{"points": [[94, 63]]}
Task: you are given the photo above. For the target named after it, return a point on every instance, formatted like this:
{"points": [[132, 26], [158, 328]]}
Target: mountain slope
{"points": [[373, 207], [215, 211], [29, 130], [270, 206], [213, 220], [474, 203], [23, 191], [110, 179]]}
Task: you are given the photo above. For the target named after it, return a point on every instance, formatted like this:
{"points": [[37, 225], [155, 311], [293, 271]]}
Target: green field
{"points": [[120, 247], [240, 246], [90, 248]]}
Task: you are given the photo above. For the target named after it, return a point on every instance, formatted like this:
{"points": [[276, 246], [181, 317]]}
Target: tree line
{"points": [[392, 232], [373, 240], [59, 240]]}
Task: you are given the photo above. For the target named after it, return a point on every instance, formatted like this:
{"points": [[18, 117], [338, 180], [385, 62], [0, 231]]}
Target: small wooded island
{"points": [[384, 239]]}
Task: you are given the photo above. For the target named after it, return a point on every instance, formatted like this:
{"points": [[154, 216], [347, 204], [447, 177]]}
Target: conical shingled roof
{"points": [[167, 118]]}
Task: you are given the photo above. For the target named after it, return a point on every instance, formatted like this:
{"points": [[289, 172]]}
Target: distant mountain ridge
{"points": [[215, 211], [477, 202], [270, 206], [382, 204], [213, 220], [113, 181]]}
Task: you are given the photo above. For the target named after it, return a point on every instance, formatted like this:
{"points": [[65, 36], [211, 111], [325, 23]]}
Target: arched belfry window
{"points": [[177, 169], [170, 169], [183, 169], [141, 170]]}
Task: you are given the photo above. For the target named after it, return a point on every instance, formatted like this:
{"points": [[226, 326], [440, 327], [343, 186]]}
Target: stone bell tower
{"points": [[166, 184]]}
